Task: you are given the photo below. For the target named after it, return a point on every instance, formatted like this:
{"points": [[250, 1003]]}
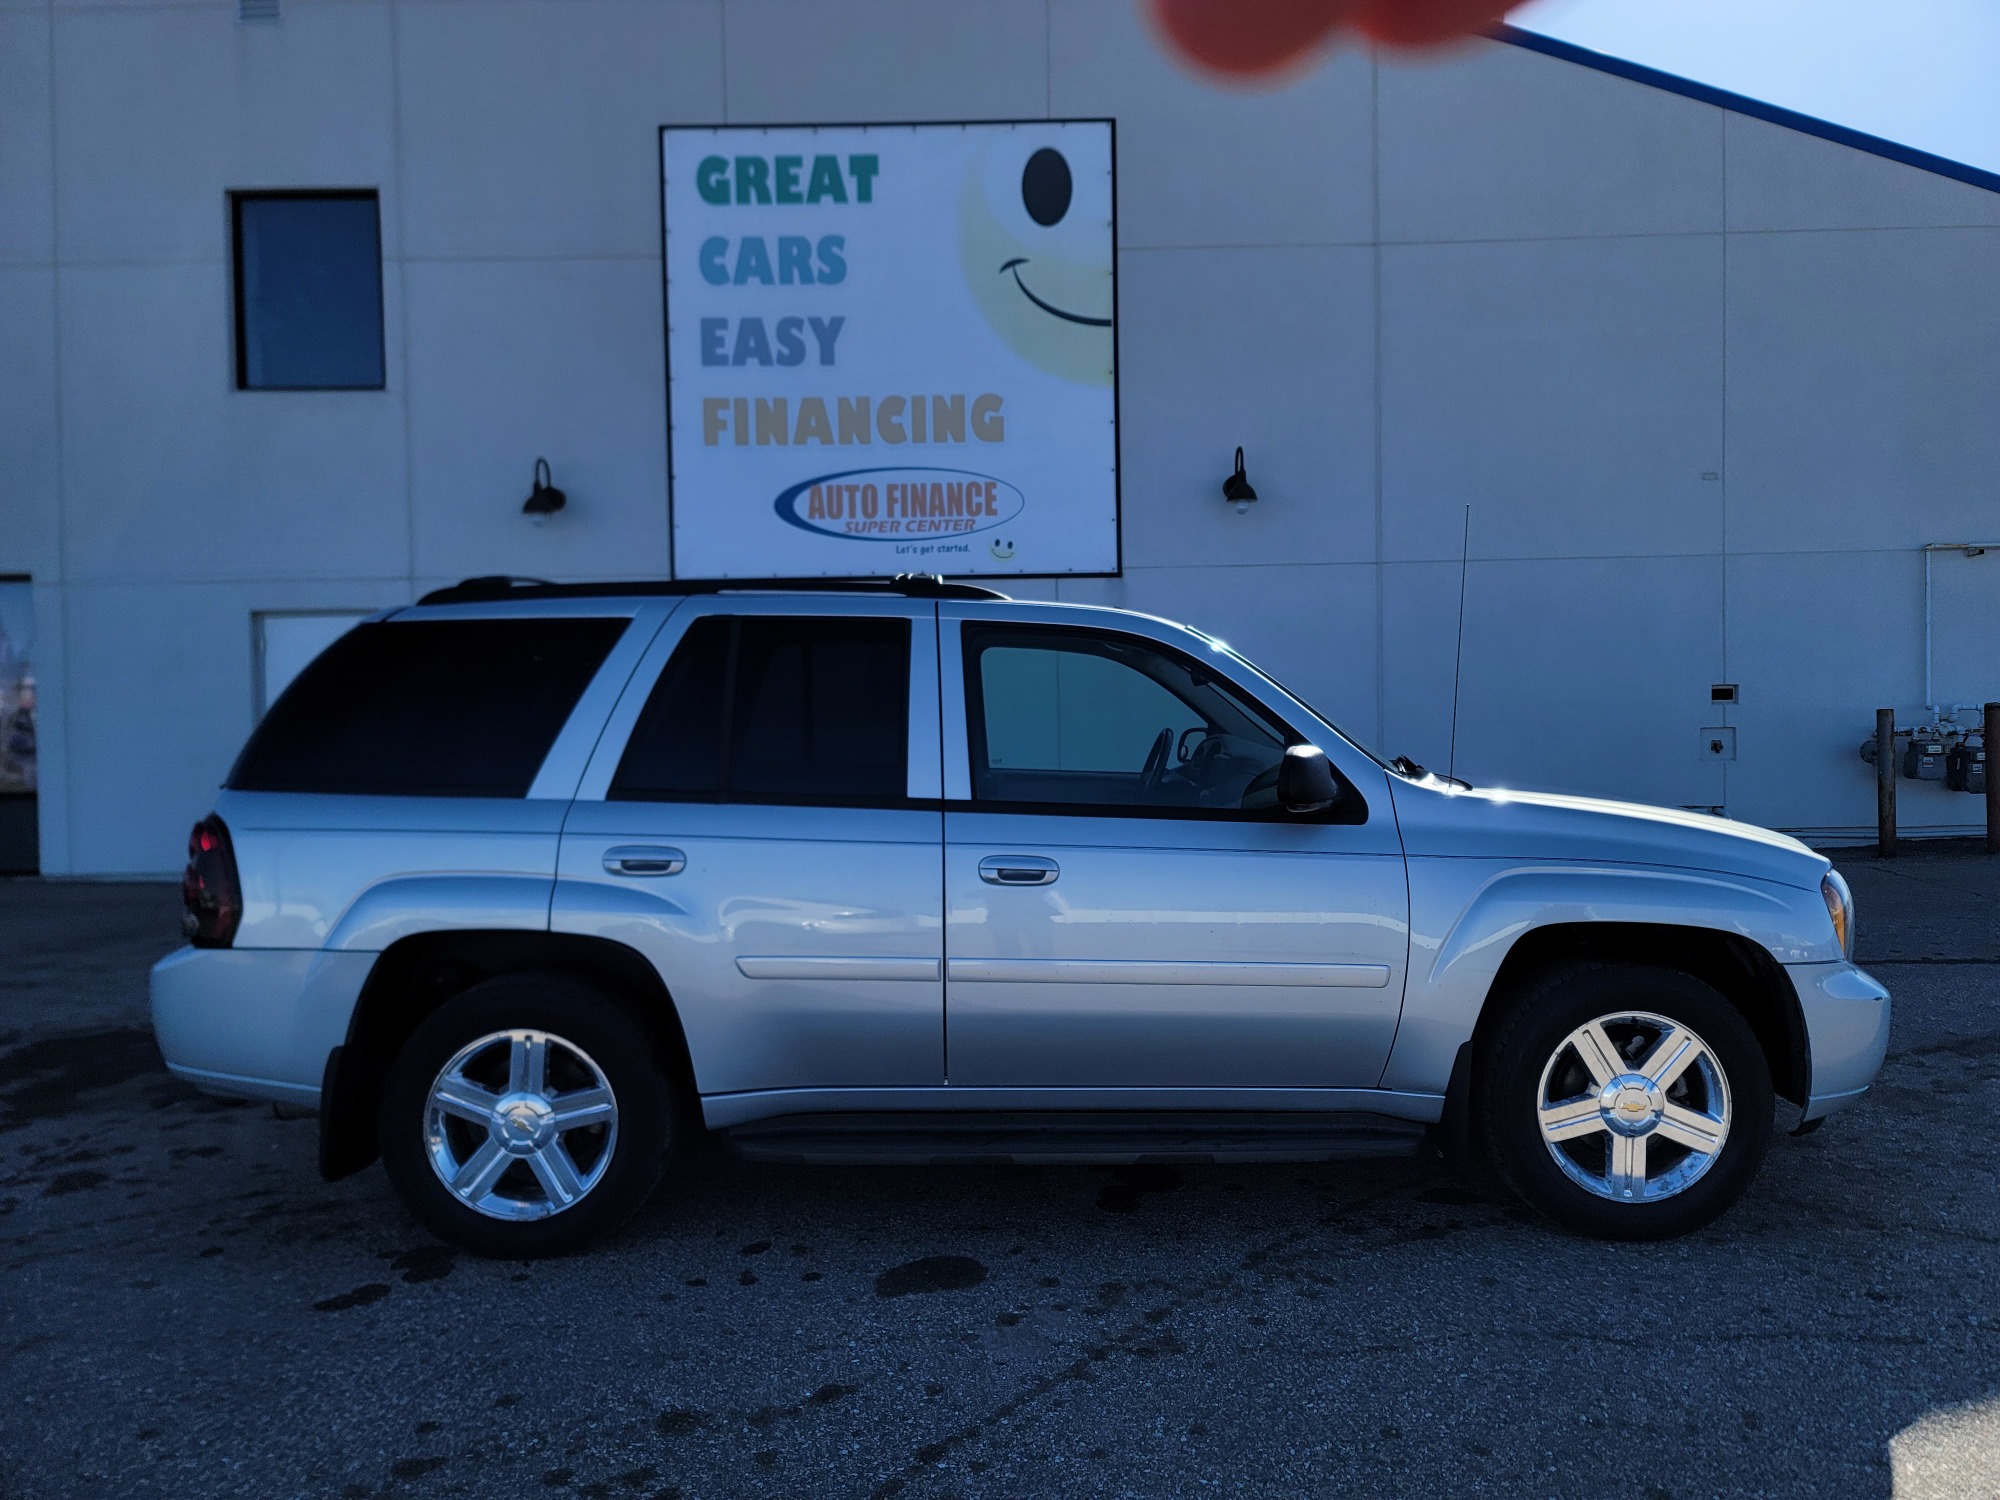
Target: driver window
{"points": [[1075, 717]]}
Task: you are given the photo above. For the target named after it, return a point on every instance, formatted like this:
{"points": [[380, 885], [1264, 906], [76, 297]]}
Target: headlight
{"points": [[1839, 906]]}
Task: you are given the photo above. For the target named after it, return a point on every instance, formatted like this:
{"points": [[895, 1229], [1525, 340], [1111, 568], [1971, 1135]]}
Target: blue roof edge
{"points": [[1743, 104]]}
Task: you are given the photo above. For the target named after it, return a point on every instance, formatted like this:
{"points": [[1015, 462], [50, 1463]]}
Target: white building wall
{"points": [[1500, 280]]}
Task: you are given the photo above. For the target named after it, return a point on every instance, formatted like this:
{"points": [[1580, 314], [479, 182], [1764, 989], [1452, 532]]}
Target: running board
{"points": [[968, 1137]]}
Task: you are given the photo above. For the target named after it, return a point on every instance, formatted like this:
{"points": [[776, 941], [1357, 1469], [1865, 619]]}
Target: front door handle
{"points": [[1018, 869], [644, 859]]}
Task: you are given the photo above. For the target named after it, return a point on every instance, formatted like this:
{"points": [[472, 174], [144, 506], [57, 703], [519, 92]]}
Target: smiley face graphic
{"points": [[1035, 247]]}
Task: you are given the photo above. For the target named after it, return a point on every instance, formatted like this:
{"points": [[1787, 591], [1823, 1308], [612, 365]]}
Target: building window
{"points": [[308, 291]]}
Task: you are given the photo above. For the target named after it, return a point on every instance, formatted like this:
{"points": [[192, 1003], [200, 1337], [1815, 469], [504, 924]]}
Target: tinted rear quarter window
{"points": [[428, 708]]}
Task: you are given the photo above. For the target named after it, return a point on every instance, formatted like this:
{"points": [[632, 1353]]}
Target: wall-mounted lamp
{"points": [[545, 499], [1236, 489]]}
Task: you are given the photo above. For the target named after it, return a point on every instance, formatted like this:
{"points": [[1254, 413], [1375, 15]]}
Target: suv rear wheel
{"points": [[1624, 1101], [526, 1117]]}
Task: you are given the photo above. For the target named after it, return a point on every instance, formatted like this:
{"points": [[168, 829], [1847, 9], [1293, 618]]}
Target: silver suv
{"points": [[524, 886]]}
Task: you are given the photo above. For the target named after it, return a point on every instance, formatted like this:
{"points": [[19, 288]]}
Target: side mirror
{"points": [[1305, 780]]}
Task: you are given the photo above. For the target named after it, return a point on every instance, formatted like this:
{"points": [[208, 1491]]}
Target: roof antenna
{"points": [[1458, 657]]}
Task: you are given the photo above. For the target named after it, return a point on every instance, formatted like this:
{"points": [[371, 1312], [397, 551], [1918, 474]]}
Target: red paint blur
{"points": [[1247, 39], [1252, 40]]}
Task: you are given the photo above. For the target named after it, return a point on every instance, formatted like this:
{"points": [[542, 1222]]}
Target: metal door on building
{"points": [[19, 761]]}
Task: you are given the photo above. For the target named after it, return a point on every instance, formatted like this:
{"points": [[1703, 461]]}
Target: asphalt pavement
{"points": [[187, 1310]]}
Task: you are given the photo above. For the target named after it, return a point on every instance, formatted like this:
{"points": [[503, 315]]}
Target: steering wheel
{"points": [[1262, 792], [1156, 763]]}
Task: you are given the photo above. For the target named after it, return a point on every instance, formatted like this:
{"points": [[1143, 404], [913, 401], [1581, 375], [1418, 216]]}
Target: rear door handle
{"points": [[644, 859], [1018, 869]]}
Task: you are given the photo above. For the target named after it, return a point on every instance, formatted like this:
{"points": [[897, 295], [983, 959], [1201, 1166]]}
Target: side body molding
{"points": [[1467, 914], [411, 904]]}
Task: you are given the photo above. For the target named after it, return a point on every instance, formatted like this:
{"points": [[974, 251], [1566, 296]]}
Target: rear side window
{"points": [[782, 709], [427, 708]]}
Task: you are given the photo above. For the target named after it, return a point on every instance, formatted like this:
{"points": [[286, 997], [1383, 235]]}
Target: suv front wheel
{"points": [[1624, 1101], [526, 1117]]}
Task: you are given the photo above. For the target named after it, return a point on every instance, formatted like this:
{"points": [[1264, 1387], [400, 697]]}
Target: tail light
{"points": [[209, 889]]}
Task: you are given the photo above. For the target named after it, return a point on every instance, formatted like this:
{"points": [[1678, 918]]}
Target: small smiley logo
{"points": [[1001, 548]]}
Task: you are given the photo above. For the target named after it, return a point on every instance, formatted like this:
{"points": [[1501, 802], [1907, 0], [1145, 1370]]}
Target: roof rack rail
{"points": [[492, 586]]}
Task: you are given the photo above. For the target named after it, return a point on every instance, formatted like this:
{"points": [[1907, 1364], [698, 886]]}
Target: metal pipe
{"points": [[1885, 783], [1988, 740]]}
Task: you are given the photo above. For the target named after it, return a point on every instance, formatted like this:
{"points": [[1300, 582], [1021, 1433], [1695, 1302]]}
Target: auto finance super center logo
{"points": [[898, 503]]}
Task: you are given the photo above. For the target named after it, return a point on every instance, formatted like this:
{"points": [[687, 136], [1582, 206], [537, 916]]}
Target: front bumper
{"points": [[255, 1023], [1847, 1032]]}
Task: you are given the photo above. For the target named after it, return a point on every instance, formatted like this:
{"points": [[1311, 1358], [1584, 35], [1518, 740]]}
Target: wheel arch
{"points": [[1743, 972], [417, 974], [1476, 929]]}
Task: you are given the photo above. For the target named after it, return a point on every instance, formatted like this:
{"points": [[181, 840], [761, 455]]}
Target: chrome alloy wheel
{"points": [[520, 1124], [1634, 1107]]}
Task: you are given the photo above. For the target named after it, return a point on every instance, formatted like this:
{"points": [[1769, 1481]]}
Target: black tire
{"points": [[1528, 1035], [583, 1017]]}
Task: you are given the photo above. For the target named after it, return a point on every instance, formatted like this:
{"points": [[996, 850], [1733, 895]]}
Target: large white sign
{"points": [[891, 349]]}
